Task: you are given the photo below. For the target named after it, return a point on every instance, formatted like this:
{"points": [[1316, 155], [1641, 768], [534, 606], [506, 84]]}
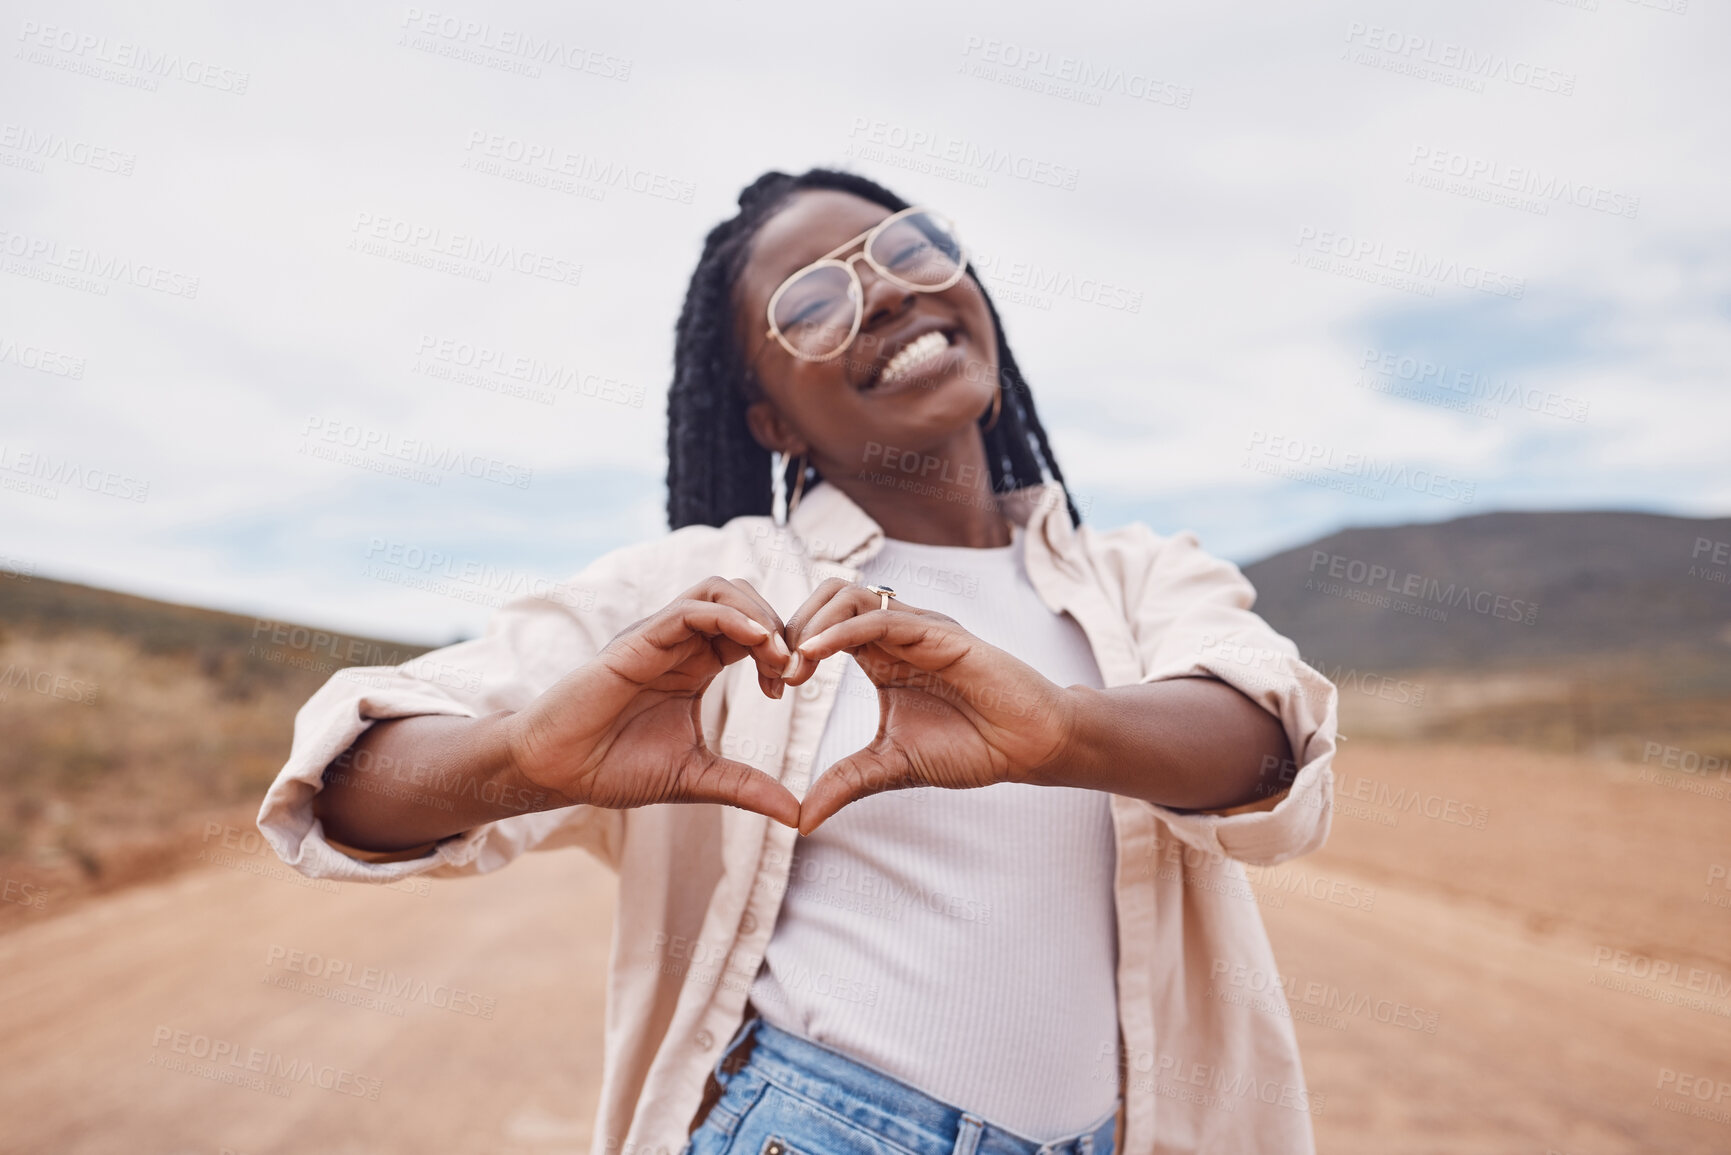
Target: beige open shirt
{"points": [[1202, 1069]]}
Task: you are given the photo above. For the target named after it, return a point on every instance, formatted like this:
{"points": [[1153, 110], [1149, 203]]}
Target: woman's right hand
{"points": [[625, 728]]}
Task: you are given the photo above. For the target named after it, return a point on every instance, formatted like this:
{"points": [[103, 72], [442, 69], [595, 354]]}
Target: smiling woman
{"points": [[947, 870]]}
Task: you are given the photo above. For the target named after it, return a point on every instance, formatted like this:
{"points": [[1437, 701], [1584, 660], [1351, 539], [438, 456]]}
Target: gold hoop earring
{"points": [[997, 407], [798, 489]]}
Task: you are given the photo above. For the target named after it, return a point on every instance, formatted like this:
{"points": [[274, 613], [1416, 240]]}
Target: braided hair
{"points": [[716, 470]]}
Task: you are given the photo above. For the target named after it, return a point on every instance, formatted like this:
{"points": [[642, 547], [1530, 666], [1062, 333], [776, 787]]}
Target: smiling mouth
{"points": [[911, 358]]}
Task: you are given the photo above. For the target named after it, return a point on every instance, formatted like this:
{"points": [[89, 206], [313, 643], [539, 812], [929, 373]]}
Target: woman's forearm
{"points": [[1187, 743], [409, 782]]}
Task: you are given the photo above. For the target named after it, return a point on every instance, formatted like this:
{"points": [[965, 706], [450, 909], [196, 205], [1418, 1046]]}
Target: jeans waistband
{"points": [[908, 1115]]}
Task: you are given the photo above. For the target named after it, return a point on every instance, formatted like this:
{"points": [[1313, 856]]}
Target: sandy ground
{"points": [[1477, 1005]]}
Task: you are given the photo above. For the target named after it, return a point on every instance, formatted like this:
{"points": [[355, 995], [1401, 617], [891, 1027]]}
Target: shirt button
{"points": [[748, 923], [705, 1040]]}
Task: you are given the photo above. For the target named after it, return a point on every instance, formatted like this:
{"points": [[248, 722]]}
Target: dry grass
{"points": [[127, 724]]}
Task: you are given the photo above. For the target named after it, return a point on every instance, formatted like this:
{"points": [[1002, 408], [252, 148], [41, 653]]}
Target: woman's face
{"points": [[842, 412]]}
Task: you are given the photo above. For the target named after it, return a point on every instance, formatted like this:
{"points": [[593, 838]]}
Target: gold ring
{"points": [[885, 593]]}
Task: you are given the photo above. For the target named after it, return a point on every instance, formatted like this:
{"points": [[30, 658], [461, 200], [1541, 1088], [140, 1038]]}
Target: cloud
{"points": [[427, 239]]}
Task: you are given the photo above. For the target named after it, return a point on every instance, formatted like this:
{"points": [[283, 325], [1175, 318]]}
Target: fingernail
{"points": [[792, 666], [779, 645]]}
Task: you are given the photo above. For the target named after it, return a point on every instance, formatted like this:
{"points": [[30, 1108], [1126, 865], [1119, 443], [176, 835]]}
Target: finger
{"points": [[773, 666], [712, 778], [859, 775], [773, 655], [669, 638], [799, 625], [848, 601], [928, 642], [771, 651]]}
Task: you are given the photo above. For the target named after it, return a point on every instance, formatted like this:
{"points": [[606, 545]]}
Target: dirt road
{"points": [[1544, 967]]}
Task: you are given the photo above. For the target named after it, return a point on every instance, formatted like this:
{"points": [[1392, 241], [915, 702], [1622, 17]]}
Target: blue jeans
{"points": [[796, 1097]]}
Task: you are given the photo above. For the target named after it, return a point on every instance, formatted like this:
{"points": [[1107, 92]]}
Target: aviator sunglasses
{"points": [[816, 313]]}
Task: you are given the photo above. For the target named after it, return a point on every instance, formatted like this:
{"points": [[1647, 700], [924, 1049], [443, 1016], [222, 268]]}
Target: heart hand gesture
{"points": [[955, 711]]}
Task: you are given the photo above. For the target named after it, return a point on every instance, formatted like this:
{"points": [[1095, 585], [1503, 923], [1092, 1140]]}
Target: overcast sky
{"points": [[1271, 269]]}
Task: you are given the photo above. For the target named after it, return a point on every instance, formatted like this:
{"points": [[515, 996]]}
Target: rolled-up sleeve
{"points": [[529, 644], [1191, 617]]}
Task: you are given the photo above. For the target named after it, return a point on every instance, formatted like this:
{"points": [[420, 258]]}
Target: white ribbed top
{"points": [[963, 941]]}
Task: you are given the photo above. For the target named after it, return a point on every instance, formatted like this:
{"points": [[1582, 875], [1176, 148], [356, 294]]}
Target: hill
{"points": [[1504, 588], [1589, 631], [126, 720]]}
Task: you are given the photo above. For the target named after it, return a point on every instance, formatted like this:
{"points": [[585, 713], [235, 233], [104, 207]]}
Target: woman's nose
{"points": [[879, 298]]}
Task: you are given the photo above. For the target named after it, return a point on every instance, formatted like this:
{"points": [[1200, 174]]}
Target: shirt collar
{"points": [[832, 527]]}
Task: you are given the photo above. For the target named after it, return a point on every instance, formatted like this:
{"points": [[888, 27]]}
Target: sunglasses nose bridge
{"points": [[859, 283]]}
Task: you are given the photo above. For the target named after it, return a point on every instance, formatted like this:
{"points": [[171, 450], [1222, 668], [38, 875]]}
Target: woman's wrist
{"points": [[515, 763], [1080, 712]]}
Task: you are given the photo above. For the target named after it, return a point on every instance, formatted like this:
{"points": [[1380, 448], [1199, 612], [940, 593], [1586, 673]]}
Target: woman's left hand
{"points": [[954, 711]]}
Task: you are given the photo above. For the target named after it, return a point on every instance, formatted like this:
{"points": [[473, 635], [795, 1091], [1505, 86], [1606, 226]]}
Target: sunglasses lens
{"points": [[920, 249], [815, 312]]}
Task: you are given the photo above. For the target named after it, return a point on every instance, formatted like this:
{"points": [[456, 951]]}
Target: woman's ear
{"points": [[771, 430]]}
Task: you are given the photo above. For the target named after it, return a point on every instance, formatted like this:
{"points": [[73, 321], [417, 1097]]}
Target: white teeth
{"points": [[912, 356]]}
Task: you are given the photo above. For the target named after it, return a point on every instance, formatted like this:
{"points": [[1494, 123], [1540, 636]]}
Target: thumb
{"points": [[859, 775], [708, 777]]}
